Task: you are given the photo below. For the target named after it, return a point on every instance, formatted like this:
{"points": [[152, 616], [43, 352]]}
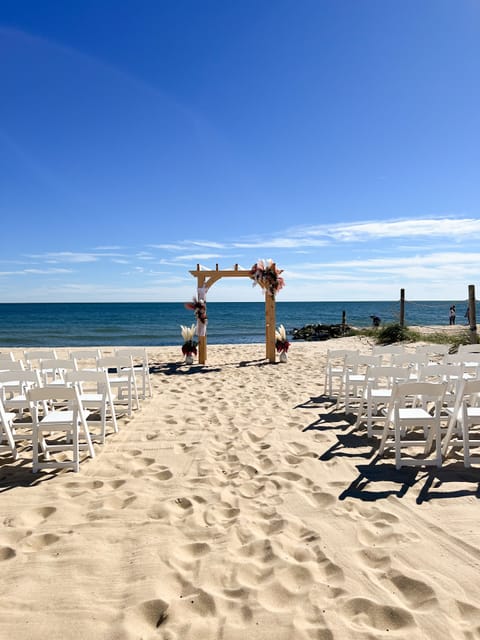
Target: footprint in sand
{"points": [[32, 543], [470, 614], [276, 597], [193, 550], [116, 484], [295, 578], [6, 553], [333, 574], [300, 450], [31, 518], [145, 617], [416, 593], [374, 558], [221, 514], [164, 474], [364, 614], [115, 502], [321, 499]]}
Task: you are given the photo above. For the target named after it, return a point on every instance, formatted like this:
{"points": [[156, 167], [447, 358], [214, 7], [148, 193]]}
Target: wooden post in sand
{"points": [[402, 307], [472, 314], [269, 327]]}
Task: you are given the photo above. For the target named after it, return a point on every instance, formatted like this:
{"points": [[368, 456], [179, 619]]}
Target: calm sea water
{"points": [[158, 324]]}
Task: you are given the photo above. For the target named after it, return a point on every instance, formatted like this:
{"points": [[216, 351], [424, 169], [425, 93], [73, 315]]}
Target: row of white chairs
{"points": [[412, 393], [59, 399], [84, 359]]}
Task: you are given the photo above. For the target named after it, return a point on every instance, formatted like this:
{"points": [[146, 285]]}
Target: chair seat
{"points": [[413, 413], [383, 394], [58, 419]]}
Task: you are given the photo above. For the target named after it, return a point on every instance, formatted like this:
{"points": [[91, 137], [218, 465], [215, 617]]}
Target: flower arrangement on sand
{"points": [[199, 308], [189, 346], [281, 342], [266, 274]]}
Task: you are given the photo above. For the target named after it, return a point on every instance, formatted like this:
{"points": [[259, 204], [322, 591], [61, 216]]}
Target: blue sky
{"points": [[340, 138]]}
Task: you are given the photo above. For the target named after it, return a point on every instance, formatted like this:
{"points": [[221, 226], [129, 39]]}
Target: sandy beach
{"points": [[238, 503]]}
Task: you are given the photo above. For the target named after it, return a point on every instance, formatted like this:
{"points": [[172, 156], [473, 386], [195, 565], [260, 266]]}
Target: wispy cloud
{"points": [[406, 228]]}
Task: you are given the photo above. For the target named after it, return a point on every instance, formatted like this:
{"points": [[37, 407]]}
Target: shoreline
{"points": [[239, 502]]}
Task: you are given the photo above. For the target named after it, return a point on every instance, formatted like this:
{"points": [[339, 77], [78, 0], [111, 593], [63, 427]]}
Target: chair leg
{"points": [[76, 449]]}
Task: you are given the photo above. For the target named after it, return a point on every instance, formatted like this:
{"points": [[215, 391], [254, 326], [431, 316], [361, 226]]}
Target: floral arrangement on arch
{"points": [[199, 308], [189, 346], [266, 274], [281, 342]]}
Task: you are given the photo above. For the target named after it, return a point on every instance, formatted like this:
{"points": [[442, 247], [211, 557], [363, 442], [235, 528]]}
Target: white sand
{"points": [[239, 504]]}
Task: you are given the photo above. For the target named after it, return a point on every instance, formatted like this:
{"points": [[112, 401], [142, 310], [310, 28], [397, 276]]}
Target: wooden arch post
{"points": [[206, 278]]}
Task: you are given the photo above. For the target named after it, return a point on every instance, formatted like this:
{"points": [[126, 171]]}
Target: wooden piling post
{"points": [[472, 314], [402, 307]]}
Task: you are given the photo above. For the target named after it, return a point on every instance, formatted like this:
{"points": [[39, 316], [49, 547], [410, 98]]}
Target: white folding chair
{"points": [[335, 369], [354, 378], [465, 416], [121, 377], [452, 374], [69, 422], [141, 366], [377, 394], [10, 380], [414, 420], [7, 442], [98, 399], [13, 392]]}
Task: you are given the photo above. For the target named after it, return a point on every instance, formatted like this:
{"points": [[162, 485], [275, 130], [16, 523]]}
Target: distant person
{"points": [[452, 314], [375, 321]]}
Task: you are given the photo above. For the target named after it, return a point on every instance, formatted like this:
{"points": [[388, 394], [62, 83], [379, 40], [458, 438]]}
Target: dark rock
{"points": [[320, 331]]}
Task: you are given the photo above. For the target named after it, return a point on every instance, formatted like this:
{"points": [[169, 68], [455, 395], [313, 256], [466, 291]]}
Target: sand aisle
{"points": [[239, 503]]}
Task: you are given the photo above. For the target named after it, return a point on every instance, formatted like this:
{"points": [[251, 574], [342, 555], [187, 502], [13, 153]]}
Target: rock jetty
{"points": [[320, 331]]}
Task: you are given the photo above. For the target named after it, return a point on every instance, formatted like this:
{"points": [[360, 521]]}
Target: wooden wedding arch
{"points": [[206, 278]]}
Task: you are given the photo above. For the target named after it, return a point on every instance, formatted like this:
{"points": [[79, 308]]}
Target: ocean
{"points": [[158, 323]]}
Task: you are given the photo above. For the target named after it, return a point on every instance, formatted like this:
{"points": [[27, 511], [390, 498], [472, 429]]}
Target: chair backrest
{"points": [[383, 349], [27, 377], [99, 378], [433, 349], [54, 370], [471, 388], [336, 359], [468, 348], [85, 358], [385, 376], [418, 394], [12, 365], [361, 361], [59, 394], [468, 394], [32, 357], [440, 372], [137, 353], [116, 363]]}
